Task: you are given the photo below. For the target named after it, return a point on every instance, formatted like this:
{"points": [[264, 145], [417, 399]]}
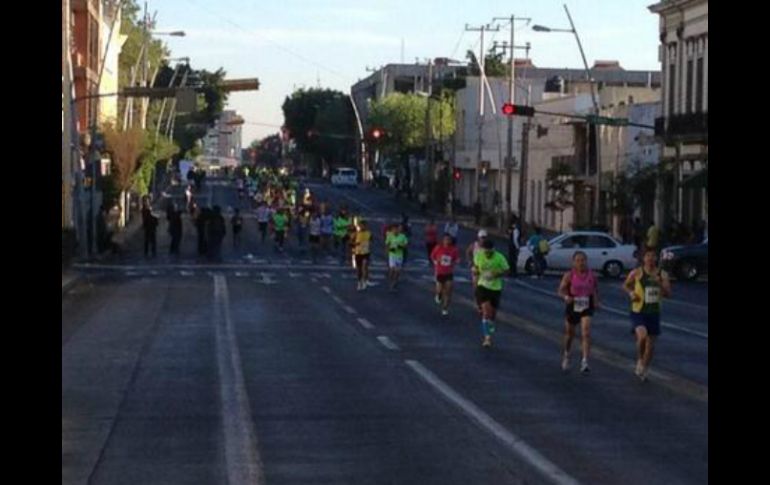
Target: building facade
{"points": [[683, 124]]}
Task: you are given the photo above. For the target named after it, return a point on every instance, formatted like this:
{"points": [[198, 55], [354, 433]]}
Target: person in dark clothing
{"points": [[477, 212], [514, 245], [200, 225], [103, 235], [175, 230], [237, 223], [406, 229], [150, 226], [215, 233]]}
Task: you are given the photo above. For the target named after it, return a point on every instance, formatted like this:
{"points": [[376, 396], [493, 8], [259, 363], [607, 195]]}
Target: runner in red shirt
{"points": [[431, 238], [444, 257]]}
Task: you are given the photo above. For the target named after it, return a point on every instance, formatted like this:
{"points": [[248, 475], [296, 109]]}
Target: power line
{"points": [[276, 44]]}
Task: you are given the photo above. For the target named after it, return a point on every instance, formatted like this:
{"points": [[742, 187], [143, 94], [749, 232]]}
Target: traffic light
{"points": [[457, 175], [510, 109], [376, 134]]}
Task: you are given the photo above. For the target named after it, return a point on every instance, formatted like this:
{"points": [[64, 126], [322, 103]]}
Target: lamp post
{"points": [[572, 30]]}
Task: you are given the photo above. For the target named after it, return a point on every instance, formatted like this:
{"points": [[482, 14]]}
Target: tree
{"points": [[155, 149], [494, 65], [125, 149], [322, 123], [560, 183]]}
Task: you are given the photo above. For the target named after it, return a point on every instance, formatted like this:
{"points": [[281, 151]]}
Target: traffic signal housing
{"points": [[510, 109], [457, 174]]}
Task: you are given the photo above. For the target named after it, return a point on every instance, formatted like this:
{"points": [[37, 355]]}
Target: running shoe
{"points": [[565, 362], [584, 366]]}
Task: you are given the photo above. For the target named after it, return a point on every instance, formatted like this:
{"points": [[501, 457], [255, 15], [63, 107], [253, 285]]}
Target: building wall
{"points": [[108, 106], [684, 45]]}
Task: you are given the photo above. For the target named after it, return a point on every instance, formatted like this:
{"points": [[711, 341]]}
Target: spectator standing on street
{"points": [[150, 226], [201, 220], [215, 233], [653, 238], [477, 212], [423, 198], [237, 224], [175, 230], [514, 244], [539, 247]]}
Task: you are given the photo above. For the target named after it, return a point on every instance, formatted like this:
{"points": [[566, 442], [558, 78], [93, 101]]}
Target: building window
{"points": [[671, 89], [688, 89], [699, 87]]}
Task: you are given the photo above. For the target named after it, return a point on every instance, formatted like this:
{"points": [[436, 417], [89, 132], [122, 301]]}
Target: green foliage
{"points": [[560, 183], [494, 65], [403, 117]]}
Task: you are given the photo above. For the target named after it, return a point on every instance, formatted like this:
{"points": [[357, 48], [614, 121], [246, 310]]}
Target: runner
{"points": [[395, 243], [490, 266], [280, 225], [645, 286], [327, 228], [362, 242], [444, 258], [264, 215], [431, 238], [314, 228], [342, 223], [580, 292], [237, 223], [452, 228], [470, 253], [539, 247]]}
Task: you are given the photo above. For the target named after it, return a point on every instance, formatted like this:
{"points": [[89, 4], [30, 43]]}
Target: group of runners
{"points": [[353, 242]]}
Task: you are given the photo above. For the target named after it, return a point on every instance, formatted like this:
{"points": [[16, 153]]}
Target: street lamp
{"points": [[175, 33], [541, 28]]}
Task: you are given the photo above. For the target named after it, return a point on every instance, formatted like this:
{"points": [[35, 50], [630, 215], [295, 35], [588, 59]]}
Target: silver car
{"points": [[605, 253]]}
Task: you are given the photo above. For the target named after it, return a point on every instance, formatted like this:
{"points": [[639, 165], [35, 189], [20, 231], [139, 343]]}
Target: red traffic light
{"points": [[376, 133], [510, 109], [457, 175]]}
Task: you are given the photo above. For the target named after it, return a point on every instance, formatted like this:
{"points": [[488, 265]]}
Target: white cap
{"points": [[482, 233]]}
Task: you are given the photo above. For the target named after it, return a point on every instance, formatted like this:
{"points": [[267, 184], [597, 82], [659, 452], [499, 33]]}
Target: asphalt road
{"points": [[266, 368]]}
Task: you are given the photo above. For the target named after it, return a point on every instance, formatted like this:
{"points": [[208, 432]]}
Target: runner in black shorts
{"points": [[580, 292], [444, 258]]}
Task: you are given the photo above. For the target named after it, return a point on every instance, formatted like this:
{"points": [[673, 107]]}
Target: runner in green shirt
{"points": [[280, 223], [491, 266], [395, 242], [342, 223]]}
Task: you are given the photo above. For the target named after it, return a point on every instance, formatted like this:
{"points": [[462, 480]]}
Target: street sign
{"points": [[606, 120], [186, 100]]}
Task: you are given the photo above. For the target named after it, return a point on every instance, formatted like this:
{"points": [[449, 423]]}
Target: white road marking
{"points": [[349, 309], [387, 343], [337, 299], [366, 323], [244, 465], [267, 279], [326, 289], [547, 468]]}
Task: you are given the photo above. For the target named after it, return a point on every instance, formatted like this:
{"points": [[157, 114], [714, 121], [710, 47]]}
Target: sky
{"points": [[331, 43]]}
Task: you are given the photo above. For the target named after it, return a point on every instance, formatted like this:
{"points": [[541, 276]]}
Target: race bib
{"points": [[445, 260], [581, 303], [363, 247], [652, 295]]}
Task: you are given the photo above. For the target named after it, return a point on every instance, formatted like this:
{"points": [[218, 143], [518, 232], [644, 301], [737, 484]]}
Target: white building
{"points": [[683, 127], [224, 139]]}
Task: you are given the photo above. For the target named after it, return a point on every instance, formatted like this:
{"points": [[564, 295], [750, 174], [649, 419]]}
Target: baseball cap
{"points": [[482, 233]]}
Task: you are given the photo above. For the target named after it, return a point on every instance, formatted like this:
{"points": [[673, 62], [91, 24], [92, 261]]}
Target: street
{"points": [[267, 368]]}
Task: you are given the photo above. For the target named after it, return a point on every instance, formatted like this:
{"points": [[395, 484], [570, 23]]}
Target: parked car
{"points": [[345, 177], [686, 262], [605, 253]]}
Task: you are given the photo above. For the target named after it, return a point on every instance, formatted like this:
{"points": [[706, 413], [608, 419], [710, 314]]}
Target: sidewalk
{"points": [[68, 280]]}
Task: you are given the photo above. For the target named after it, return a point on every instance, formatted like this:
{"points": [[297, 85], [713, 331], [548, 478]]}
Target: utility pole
{"points": [[482, 76], [511, 99], [428, 133], [524, 164]]}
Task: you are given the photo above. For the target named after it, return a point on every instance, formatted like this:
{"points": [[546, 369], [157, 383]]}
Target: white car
{"points": [[605, 253], [345, 176]]}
